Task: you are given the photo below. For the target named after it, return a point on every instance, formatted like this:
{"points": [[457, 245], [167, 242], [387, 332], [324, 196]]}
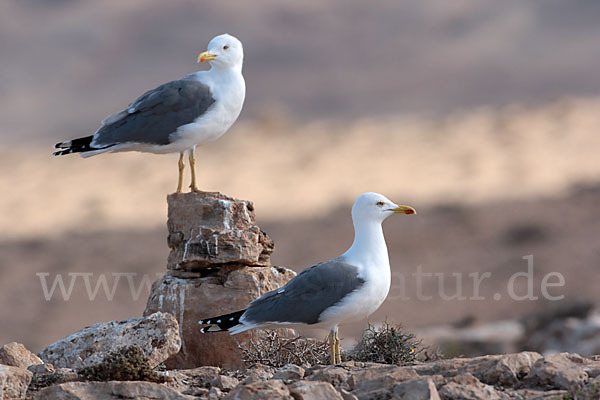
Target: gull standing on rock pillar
{"points": [[349, 287], [176, 116]]}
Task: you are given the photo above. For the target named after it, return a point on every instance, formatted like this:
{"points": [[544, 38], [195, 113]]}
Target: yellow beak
{"points": [[206, 56], [403, 210]]}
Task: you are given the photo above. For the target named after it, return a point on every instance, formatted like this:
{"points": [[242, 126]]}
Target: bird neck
{"points": [[369, 244], [229, 70]]}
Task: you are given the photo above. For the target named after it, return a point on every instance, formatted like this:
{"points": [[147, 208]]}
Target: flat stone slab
{"points": [[157, 335], [110, 390]]}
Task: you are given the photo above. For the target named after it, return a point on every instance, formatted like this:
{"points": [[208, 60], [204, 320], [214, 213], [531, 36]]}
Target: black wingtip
{"points": [[79, 145], [222, 322]]}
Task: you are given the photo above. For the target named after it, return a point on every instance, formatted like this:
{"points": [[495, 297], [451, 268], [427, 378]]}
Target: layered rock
{"points": [[210, 229], [219, 262], [157, 335], [231, 288]]}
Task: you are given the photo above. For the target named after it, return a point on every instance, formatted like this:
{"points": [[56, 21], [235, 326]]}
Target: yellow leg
{"points": [[181, 168], [193, 185], [332, 347], [338, 358]]}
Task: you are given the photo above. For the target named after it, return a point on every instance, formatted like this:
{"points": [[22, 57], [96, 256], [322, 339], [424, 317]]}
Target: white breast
{"points": [[365, 300]]}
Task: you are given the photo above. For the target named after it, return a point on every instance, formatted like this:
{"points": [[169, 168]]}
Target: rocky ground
{"points": [[573, 328], [84, 366]]}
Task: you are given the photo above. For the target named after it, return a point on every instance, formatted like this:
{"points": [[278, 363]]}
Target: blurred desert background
{"points": [[484, 116]]}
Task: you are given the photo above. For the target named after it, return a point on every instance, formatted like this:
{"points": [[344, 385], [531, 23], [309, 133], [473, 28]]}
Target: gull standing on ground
{"points": [[349, 287], [176, 116]]}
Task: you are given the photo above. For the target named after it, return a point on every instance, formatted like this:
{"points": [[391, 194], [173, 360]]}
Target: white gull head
{"points": [[374, 207], [223, 52]]}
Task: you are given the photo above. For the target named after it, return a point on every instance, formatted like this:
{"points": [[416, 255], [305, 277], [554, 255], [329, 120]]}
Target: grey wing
{"points": [[306, 296], [156, 114]]}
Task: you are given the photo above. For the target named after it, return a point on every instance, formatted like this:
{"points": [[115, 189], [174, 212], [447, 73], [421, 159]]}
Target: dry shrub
{"points": [[388, 344], [276, 351]]}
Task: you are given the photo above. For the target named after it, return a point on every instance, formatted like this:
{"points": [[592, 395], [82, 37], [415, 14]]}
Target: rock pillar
{"points": [[219, 262]]}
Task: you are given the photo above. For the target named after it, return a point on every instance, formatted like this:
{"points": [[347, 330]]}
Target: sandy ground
{"points": [[303, 171], [491, 186]]}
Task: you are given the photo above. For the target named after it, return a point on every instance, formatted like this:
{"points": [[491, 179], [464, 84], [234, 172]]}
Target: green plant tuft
{"points": [[126, 364]]}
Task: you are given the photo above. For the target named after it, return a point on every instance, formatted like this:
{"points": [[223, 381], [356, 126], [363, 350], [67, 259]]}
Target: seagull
{"points": [[176, 116], [346, 288]]}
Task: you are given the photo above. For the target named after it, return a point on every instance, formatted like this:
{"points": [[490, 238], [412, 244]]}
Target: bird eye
{"points": [[380, 204], [225, 47]]}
